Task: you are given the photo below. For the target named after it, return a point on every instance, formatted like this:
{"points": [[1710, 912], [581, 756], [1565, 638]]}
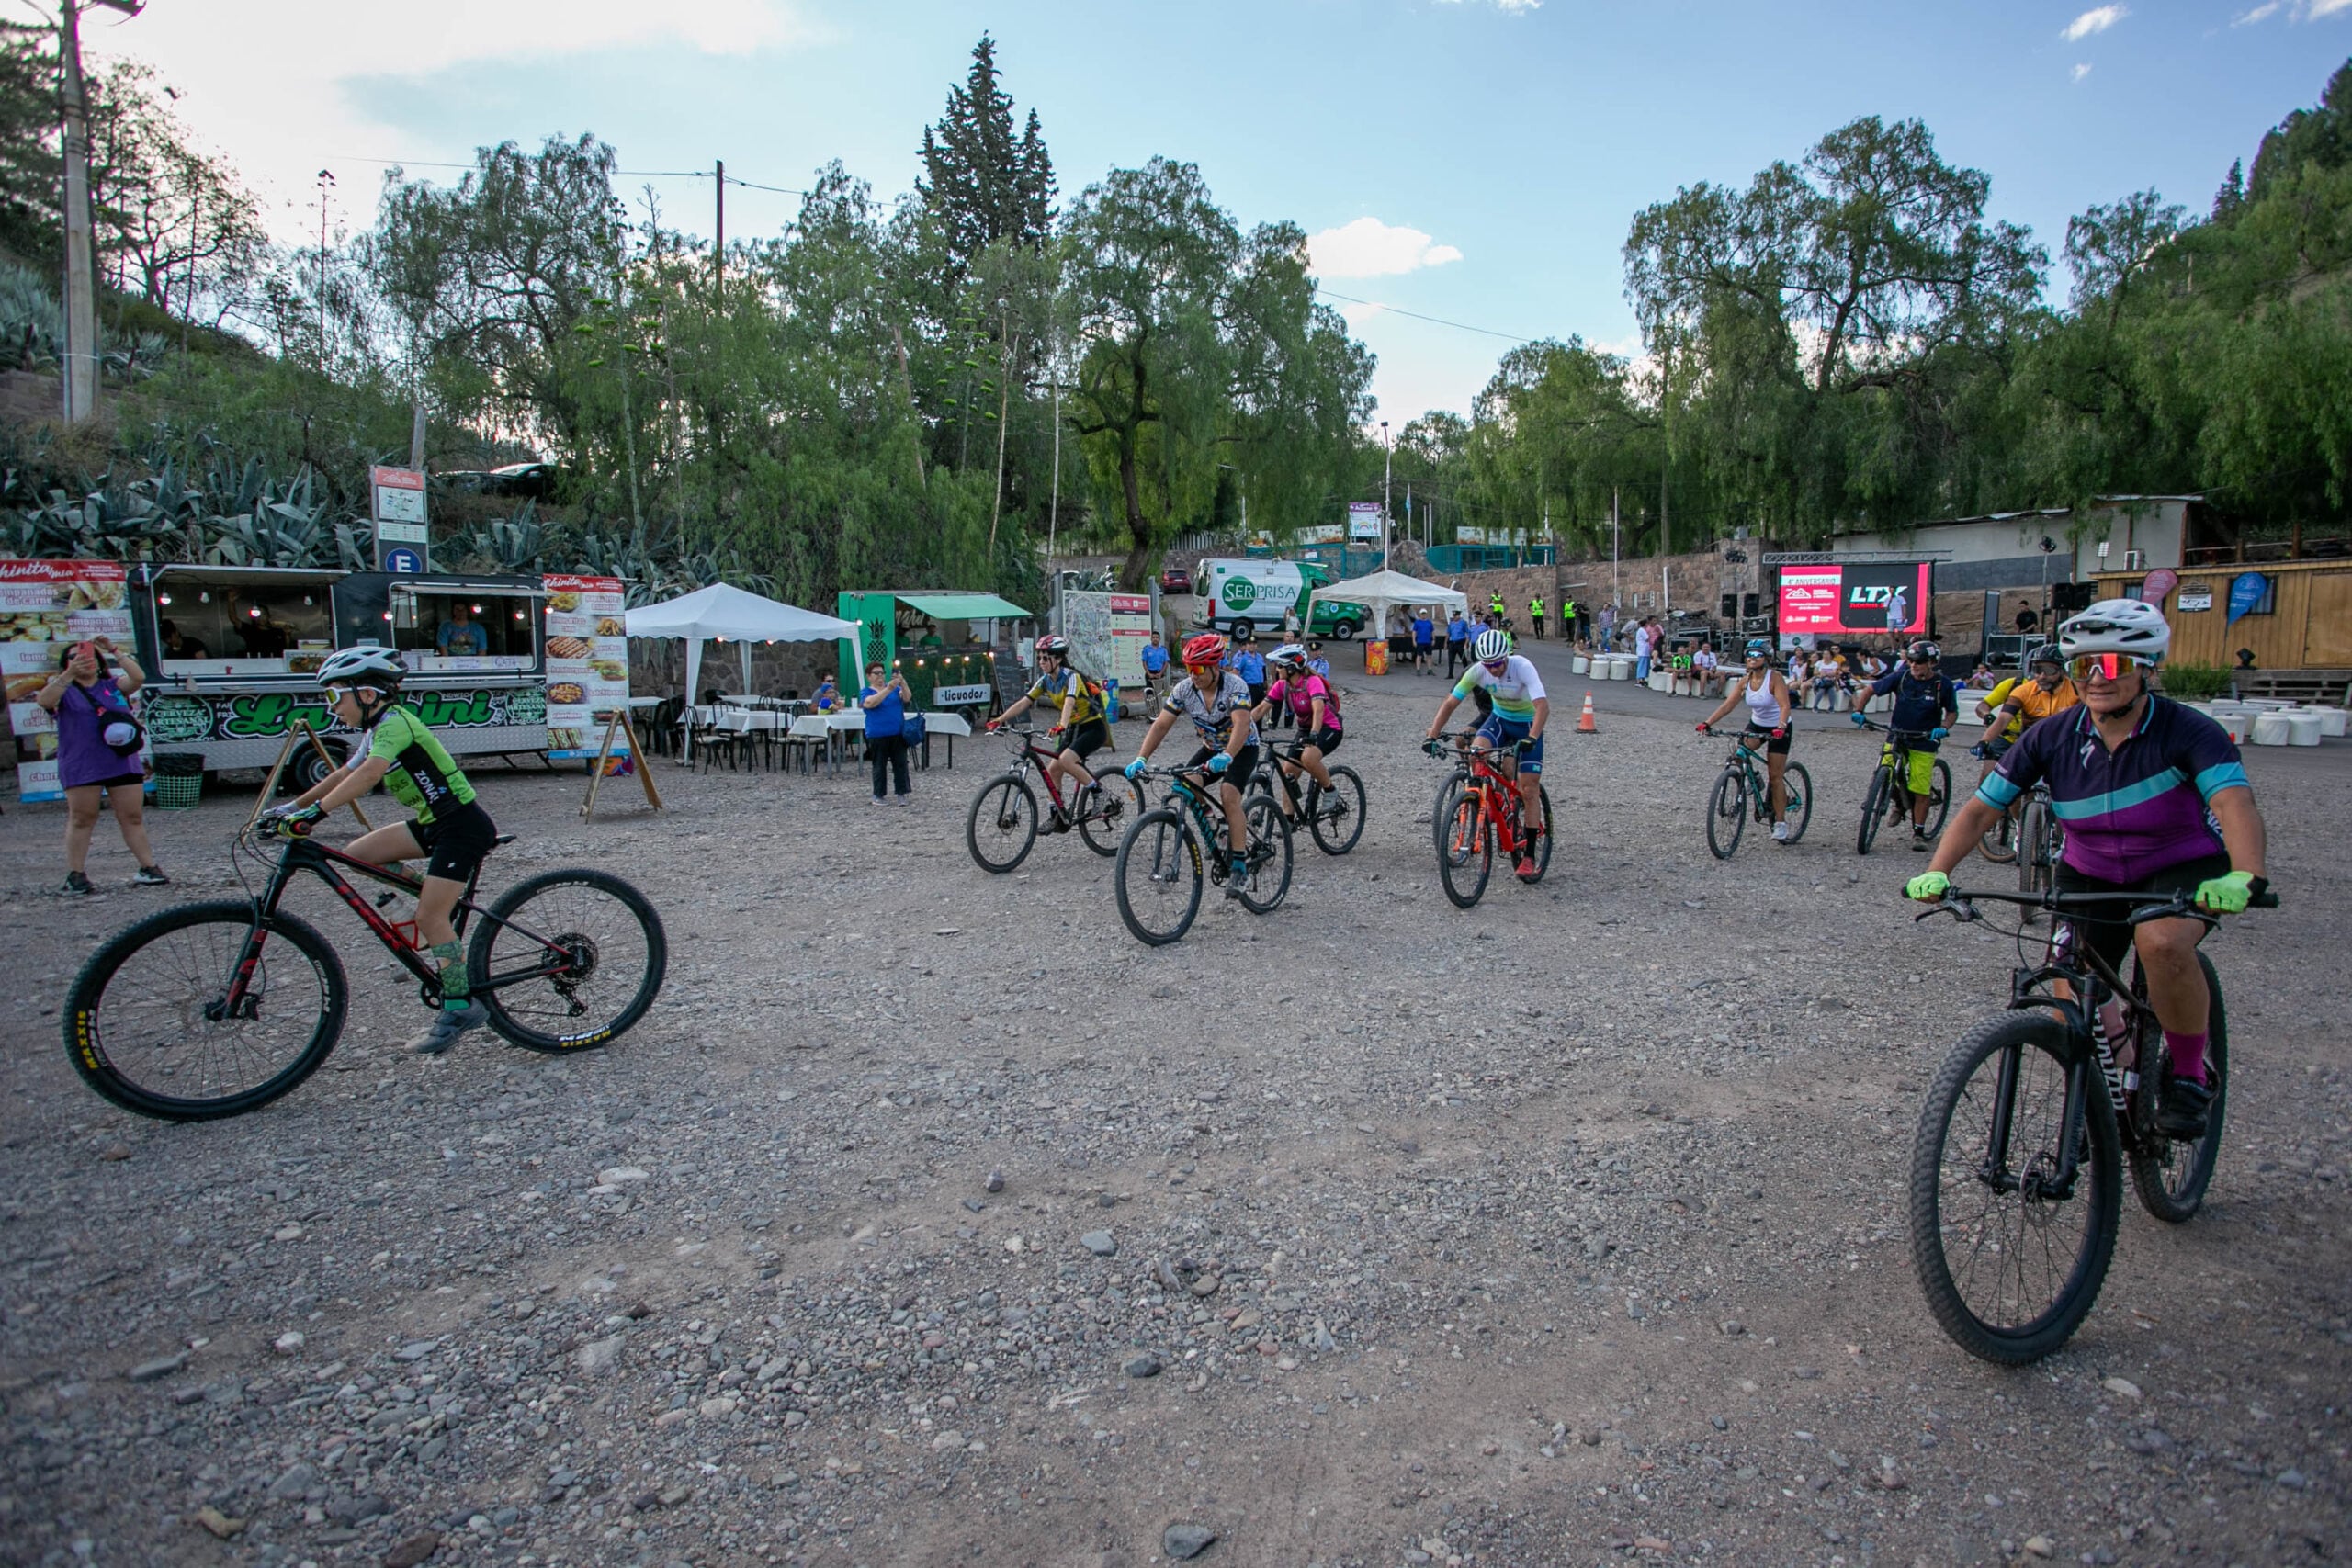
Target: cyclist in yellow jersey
{"points": [[450, 825], [1082, 727], [2015, 703]]}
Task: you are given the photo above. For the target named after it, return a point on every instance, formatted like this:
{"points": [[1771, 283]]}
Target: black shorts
{"points": [[2112, 941], [1772, 747], [457, 840], [1087, 738], [1236, 774], [1326, 740]]}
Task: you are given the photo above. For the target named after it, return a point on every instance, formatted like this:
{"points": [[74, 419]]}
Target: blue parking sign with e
{"points": [[403, 560]]}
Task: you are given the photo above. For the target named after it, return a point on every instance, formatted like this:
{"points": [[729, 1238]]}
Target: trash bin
{"points": [[179, 780]]}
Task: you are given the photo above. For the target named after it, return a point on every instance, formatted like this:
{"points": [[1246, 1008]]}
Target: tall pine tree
{"points": [[982, 182]]}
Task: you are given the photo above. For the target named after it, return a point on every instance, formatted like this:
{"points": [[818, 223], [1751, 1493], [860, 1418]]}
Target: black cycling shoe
{"points": [[2181, 1113]]}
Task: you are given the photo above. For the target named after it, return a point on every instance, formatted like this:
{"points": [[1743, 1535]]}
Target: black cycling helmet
{"points": [[1923, 652], [2046, 654]]}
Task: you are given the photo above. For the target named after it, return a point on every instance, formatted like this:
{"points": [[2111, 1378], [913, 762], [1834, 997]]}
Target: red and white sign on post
{"points": [[45, 608], [398, 508]]}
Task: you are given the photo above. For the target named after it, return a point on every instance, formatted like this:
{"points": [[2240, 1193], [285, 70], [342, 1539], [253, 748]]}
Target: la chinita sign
{"points": [[181, 718]]}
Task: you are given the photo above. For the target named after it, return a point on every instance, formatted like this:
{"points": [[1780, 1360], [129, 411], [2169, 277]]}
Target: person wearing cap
{"points": [[97, 756], [1926, 704]]}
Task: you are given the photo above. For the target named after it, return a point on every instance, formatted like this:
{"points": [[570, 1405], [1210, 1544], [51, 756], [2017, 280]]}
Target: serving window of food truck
{"points": [[441, 624], [238, 621]]}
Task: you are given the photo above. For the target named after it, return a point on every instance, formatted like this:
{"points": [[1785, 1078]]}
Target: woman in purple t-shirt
{"points": [[87, 705]]}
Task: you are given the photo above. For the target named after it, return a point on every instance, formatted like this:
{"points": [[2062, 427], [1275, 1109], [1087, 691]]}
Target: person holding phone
{"points": [[97, 756], [884, 702]]}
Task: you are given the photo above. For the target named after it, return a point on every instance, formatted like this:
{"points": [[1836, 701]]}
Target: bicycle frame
{"points": [[1485, 780], [1745, 756], [1032, 754], [326, 862]]}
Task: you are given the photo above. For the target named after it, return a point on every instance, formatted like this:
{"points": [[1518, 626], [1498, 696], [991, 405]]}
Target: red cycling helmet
{"points": [[1206, 648], [1057, 645]]}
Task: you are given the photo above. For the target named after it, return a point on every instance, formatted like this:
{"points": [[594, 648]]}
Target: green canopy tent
{"points": [[974, 628]]}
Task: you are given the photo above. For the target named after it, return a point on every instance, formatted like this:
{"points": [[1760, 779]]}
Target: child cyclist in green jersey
{"points": [[450, 825]]}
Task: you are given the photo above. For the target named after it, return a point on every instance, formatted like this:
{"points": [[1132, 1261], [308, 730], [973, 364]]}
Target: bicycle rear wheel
{"points": [[2172, 1176], [1873, 809], [147, 1024], [2008, 1259], [1543, 841], [1002, 826], [1335, 816], [1119, 802], [2000, 841], [1269, 852], [2035, 859], [1938, 797], [1726, 813], [1466, 853], [1796, 789], [1158, 876], [568, 960]]}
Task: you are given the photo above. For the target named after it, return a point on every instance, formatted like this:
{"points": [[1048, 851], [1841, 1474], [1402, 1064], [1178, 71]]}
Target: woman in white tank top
{"points": [[1770, 709]]}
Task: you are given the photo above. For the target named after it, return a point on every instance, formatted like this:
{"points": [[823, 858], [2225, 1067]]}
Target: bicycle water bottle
{"points": [[2110, 1028]]}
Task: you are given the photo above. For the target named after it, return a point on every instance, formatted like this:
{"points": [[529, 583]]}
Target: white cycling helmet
{"points": [[1289, 655], [2118, 625], [1491, 645], [362, 667]]}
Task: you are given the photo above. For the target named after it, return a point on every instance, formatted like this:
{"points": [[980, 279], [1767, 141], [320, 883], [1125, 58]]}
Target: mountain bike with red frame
{"points": [[1003, 826], [1479, 811], [214, 1009]]}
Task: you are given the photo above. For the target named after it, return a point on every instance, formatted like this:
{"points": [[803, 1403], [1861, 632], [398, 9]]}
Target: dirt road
{"points": [[1563, 1231]]}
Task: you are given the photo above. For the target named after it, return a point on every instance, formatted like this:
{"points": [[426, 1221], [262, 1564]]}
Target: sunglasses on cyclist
{"points": [[2104, 666]]}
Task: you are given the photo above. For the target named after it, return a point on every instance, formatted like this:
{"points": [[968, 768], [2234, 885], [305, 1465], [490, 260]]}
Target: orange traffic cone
{"points": [[1584, 723]]}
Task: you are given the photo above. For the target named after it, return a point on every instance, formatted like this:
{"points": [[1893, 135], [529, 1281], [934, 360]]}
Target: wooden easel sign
{"points": [[297, 732], [618, 727]]}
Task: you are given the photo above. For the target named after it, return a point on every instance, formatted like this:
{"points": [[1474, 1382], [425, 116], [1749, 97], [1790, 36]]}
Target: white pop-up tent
{"points": [[732, 614], [1384, 590]]}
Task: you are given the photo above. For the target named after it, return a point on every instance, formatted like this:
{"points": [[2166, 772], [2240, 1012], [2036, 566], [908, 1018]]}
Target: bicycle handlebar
{"points": [[1960, 905]]}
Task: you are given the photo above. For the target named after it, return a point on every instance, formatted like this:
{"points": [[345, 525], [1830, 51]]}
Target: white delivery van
{"points": [[1242, 594]]}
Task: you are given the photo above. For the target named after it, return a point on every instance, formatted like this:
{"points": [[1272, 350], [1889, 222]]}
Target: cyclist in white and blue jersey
{"points": [[1520, 711]]}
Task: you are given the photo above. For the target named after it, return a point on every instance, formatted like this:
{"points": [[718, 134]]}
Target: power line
{"points": [[1434, 321], [627, 173]]}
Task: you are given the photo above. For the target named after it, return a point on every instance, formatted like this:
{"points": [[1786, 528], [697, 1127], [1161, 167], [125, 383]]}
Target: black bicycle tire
{"points": [[504, 908], [2001, 841], [1542, 839], [1189, 842], [1266, 823], [84, 1012], [1938, 797], [1730, 785], [1873, 806], [1803, 787], [1482, 850], [2033, 852], [1102, 834], [1456, 780], [2026, 1030], [972, 824], [2147, 1170], [1353, 801]]}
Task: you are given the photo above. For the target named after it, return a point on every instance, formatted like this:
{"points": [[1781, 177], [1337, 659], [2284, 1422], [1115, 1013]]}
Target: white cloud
{"points": [[2260, 14], [2080, 72], [1369, 248], [2297, 11], [2098, 19], [249, 70], [1510, 8]]}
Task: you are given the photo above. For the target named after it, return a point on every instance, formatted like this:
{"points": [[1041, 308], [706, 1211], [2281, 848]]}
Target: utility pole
{"points": [[80, 367], [718, 253], [1387, 473], [1664, 540], [326, 182], [1054, 507], [1616, 579]]}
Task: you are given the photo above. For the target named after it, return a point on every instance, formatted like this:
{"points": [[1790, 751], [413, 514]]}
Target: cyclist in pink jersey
{"points": [[1312, 701]]}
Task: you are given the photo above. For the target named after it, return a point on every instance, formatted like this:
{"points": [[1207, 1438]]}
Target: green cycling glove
{"points": [[1928, 886], [2226, 895]]}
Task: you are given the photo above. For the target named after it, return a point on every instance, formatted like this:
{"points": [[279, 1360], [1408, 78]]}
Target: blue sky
{"points": [[1487, 154]]}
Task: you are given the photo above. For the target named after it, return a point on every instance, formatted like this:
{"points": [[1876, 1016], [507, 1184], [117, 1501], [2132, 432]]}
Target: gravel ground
{"points": [[928, 1218]]}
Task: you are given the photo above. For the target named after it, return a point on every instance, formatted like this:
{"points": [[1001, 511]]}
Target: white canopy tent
{"points": [[1382, 591], [733, 615]]}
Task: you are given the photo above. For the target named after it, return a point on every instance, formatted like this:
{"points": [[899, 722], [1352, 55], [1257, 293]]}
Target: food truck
{"points": [[233, 653]]}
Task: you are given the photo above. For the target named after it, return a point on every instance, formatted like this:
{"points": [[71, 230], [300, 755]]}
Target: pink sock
{"points": [[2188, 1052]]}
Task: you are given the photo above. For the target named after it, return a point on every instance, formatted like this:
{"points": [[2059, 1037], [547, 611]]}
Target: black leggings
{"points": [[889, 751]]}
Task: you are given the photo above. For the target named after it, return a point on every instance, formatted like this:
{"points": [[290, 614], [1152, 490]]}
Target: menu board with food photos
{"points": [[587, 662], [45, 608]]}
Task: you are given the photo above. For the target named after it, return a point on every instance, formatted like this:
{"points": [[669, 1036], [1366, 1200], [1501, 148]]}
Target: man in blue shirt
{"points": [[1926, 704], [1424, 640], [1155, 664], [1457, 643], [1251, 665], [461, 636]]}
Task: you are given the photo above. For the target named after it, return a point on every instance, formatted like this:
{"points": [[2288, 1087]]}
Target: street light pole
{"points": [[81, 377], [1387, 473]]}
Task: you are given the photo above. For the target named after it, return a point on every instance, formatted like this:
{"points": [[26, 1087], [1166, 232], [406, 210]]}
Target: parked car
{"points": [[1175, 580]]}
